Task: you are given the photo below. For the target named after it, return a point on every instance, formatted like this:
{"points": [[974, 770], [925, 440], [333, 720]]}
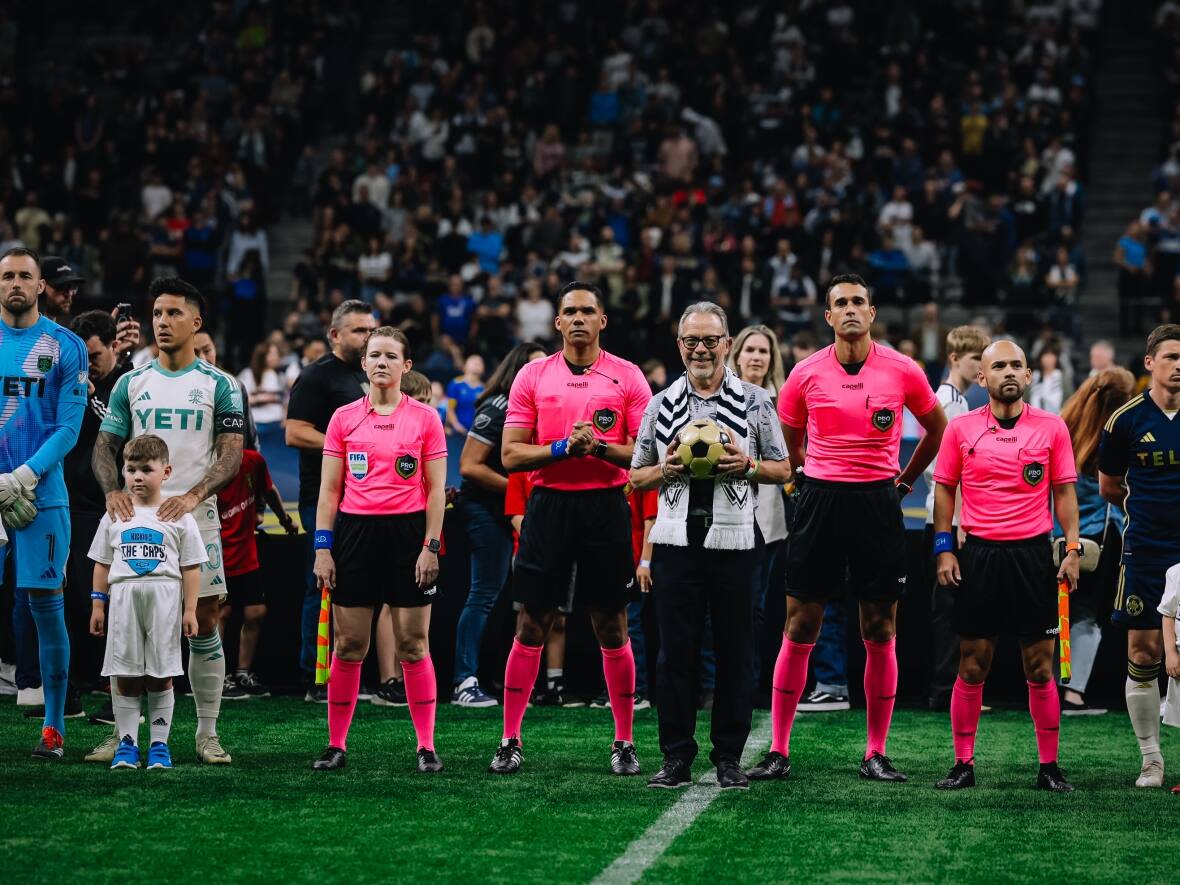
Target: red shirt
{"points": [[383, 457], [516, 498], [237, 505], [1006, 475], [854, 421], [644, 506], [547, 398]]}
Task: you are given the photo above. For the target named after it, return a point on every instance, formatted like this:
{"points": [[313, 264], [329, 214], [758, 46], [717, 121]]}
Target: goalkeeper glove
{"points": [[18, 484], [18, 514]]}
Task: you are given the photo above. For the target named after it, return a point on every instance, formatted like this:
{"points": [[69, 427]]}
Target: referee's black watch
{"points": [[433, 545], [600, 449]]}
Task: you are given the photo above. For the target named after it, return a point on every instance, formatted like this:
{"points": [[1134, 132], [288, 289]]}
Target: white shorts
{"points": [[143, 630], [212, 572]]}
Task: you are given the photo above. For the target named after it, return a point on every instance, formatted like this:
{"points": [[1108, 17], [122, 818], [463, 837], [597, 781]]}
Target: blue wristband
{"points": [[98, 594], [558, 448], [944, 542], [323, 539]]}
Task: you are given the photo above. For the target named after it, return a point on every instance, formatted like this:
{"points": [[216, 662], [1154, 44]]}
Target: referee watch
{"points": [[432, 545], [600, 449]]}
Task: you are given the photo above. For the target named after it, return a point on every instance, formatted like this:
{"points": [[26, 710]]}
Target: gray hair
{"points": [[705, 307], [353, 305]]}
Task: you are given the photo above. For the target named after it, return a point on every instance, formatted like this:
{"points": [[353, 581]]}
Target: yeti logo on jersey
{"points": [[142, 549], [604, 419], [358, 464], [406, 465], [1034, 473], [44, 362], [883, 419]]}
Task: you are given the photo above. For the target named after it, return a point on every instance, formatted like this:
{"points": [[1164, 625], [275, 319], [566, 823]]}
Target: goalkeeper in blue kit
{"points": [[43, 371]]}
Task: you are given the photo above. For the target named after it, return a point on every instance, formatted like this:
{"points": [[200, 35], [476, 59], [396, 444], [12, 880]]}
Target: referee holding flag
{"points": [[848, 398], [1006, 458]]}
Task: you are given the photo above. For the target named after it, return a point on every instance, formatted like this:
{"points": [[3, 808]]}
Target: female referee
{"points": [[372, 495]]}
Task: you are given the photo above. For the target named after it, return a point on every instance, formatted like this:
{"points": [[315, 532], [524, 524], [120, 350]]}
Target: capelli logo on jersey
{"points": [[578, 384], [859, 385], [388, 426]]}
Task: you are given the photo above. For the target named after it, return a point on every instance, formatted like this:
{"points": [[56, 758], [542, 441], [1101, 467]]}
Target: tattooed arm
{"points": [[227, 452], [105, 463]]}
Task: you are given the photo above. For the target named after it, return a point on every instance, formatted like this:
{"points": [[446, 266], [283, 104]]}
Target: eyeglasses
{"points": [[710, 341]]}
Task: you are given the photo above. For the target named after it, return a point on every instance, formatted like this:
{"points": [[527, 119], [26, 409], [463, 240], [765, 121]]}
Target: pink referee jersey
{"points": [[384, 456], [853, 421], [548, 398], [1006, 475]]}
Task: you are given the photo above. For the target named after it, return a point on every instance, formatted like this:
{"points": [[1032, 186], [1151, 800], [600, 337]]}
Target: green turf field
{"points": [[563, 819]]}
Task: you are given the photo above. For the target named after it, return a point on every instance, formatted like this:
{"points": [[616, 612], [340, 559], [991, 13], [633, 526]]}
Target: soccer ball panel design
{"points": [[700, 445]]}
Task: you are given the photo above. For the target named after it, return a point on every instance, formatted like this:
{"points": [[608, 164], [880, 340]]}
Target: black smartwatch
{"points": [[600, 449], [433, 545]]}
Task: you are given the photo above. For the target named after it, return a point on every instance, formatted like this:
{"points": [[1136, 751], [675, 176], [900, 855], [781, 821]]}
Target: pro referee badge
{"points": [[44, 363], [406, 465], [358, 464], [604, 419], [883, 419], [1034, 473]]}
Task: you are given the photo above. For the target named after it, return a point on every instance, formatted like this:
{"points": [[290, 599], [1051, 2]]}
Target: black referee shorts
{"points": [[375, 558], [588, 529], [846, 532], [1006, 584]]}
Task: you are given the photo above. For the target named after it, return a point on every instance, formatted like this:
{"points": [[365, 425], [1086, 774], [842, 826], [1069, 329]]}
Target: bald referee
{"points": [[848, 398], [572, 420], [1006, 458]]}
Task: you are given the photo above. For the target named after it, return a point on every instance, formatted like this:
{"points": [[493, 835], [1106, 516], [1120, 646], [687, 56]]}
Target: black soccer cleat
{"points": [[774, 765], [676, 773], [1052, 778], [623, 760], [731, 777], [428, 761], [960, 777], [508, 758], [333, 759], [878, 768]]}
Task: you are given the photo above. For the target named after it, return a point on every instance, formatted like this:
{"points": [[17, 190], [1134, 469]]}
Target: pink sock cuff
{"points": [[415, 666], [967, 688], [533, 651], [797, 648], [344, 665], [1043, 688], [624, 649], [872, 646]]}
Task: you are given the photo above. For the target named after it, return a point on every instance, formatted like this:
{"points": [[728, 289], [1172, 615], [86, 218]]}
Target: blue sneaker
{"points": [[469, 694], [159, 756], [127, 755]]}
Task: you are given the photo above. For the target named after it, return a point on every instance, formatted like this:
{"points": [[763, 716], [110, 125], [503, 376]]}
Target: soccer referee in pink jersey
{"points": [[377, 543], [1006, 457], [572, 420], [848, 524]]}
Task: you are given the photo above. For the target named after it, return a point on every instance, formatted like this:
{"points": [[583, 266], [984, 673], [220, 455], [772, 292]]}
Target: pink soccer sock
{"points": [[421, 692], [1045, 707], [880, 692], [618, 666], [966, 705], [790, 677], [344, 684], [520, 674]]}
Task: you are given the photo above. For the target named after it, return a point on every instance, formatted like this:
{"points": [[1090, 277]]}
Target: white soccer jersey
{"points": [[1169, 607], [953, 405], [186, 409], [146, 549]]}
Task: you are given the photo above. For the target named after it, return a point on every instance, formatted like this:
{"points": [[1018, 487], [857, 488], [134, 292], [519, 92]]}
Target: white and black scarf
{"points": [[733, 499]]}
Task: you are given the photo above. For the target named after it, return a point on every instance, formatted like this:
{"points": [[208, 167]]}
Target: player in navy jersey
{"points": [[43, 370], [1139, 469]]}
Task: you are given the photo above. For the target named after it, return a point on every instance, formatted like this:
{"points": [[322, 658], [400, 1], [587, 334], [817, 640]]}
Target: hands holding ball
{"points": [[705, 451]]}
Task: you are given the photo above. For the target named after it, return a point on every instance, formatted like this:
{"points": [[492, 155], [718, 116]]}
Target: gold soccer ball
{"points": [[700, 445]]}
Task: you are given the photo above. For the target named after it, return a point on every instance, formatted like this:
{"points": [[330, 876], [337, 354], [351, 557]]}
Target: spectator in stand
{"points": [[1130, 255], [245, 585], [374, 270], [462, 395], [481, 503], [1101, 356], [1048, 385], [327, 384], [454, 312], [267, 391]]}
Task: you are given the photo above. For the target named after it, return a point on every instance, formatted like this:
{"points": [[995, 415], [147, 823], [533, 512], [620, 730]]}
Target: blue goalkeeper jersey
{"points": [[43, 372]]}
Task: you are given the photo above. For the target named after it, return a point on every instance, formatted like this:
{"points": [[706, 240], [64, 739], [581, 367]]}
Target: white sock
{"points": [[160, 707], [553, 675], [126, 715], [206, 675], [1143, 706]]}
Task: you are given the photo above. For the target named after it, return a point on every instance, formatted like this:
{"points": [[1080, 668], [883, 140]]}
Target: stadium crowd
{"points": [[668, 153]]}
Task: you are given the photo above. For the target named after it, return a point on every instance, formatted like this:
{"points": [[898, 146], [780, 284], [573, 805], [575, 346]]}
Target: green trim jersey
{"points": [[187, 409]]}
